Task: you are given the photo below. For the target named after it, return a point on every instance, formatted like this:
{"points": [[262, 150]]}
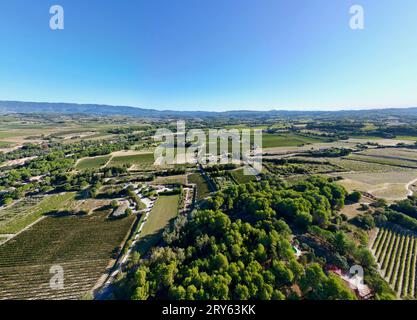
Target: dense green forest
{"points": [[238, 246]]}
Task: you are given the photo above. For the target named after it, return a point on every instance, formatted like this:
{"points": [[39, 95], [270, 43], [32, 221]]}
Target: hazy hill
{"points": [[95, 109]]}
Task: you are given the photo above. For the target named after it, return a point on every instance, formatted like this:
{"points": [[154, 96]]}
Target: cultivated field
{"points": [[361, 166], [389, 185], [164, 210], [239, 176], [394, 153], [179, 179], [22, 213], [382, 142], [90, 205], [379, 172], [396, 162], [203, 189], [396, 255], [82, 246], [92, 163], [141, 160], [283, 150], [4, 144], [287, 140]]}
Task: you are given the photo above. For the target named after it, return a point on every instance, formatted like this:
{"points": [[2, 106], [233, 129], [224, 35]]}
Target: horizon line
{"points": [[166, 109]]}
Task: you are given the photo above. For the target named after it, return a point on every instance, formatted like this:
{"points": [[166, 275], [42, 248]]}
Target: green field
{"points": [[287, 140], [19, 215], [92, 163], [240, 177], [145, 159], [203, 189], [273, 140], [5, 144], [164, 210], [82, 246]]}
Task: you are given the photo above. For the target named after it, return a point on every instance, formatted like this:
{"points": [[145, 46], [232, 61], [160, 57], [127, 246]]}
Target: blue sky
{"points": [[211, 54]]}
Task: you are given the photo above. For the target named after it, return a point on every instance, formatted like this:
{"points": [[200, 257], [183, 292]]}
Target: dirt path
{"points": [[409, 187]]}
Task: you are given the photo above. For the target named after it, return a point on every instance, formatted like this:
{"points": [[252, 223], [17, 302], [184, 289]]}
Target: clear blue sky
{"points": [[211, 54]]}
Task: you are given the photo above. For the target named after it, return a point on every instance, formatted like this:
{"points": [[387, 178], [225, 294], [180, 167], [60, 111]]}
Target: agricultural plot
{"points": [[388, 178], [239, 176], [4, 144], [380, 141], [389, 185], [287, 140], [82, 246], [271, 140], [179, 179], [301, 168], [164, 210], [321, 145], [393, 153], [203, 189], [396, 256], [396, 162], [90, 205], [139, 160], [361, 166], [19, 215], [92, 163]]}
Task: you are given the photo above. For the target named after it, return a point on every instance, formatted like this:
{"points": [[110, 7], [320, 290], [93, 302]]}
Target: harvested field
{"points": [[314, 146], [389, 185], [350, 164], [394, 153], [383, 160], [382, 142], [179, 179], [90, 205]]}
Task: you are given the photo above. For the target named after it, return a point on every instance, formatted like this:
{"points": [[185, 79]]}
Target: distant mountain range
{"points": [[7, 107]]}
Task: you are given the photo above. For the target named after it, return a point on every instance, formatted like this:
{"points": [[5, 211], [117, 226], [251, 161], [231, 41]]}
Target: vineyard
{"points": [[396, 254], [82, 246]]}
